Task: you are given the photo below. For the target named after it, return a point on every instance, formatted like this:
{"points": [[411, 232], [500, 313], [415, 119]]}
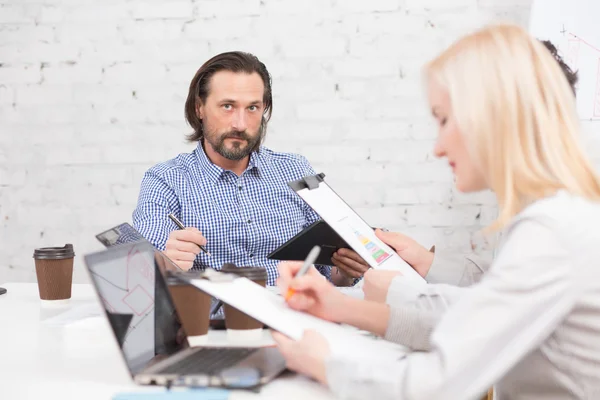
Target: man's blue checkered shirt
{"points": [[243, 218]]}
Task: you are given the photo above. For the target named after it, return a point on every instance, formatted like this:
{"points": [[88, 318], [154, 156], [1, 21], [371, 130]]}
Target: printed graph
{"points": [[377, 253]]}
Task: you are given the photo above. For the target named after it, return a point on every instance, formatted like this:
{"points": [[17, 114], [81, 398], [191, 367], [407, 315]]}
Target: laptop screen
{"points": [[136, 300]]}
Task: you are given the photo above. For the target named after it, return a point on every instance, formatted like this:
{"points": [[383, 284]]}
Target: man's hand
{"points": [[409, 250], [183, 246], [349, 263]]}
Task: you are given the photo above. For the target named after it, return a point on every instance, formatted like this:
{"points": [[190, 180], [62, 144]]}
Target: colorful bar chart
{"points": [[378, 254]]}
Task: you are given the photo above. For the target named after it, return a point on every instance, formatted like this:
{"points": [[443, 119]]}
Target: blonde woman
{"points": [[507, 122]]}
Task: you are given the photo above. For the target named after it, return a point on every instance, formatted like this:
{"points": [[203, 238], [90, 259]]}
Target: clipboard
{"points": [[318, 233], [350, 226]]}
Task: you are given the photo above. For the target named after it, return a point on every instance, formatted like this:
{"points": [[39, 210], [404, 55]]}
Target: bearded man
{"points": [[231, 192]]}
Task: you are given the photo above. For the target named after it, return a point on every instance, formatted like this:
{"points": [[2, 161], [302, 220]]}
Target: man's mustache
{"points": [[237, 135]]}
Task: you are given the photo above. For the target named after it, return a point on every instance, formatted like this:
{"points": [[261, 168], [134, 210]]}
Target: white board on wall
{"points": [[573, 26]]}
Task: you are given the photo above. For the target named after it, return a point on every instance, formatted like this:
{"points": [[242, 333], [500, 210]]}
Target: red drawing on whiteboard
{"points": [[573, 53], [597, 93], [584, 41]]}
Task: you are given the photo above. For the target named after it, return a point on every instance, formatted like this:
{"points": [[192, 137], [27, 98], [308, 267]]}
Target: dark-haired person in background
{"points": [[572, 76], [231, 192]]}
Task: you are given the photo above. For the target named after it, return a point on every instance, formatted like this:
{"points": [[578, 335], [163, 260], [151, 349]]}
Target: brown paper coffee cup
{"points": [[239, 324], [54, 271], [193, 308]]}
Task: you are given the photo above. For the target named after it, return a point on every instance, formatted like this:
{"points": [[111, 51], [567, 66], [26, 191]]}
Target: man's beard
{"points": [[238, 149]]}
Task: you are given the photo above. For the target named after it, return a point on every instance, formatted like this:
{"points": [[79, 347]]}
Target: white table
{"points": [[81, 360]]}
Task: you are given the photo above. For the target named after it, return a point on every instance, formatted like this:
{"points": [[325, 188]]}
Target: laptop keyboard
{"points": [[208, 361]]}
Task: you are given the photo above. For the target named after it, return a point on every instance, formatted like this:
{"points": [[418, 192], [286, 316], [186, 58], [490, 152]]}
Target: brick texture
{"points": [[92, 94]]}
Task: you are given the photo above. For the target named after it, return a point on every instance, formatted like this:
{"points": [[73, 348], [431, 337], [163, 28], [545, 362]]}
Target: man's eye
{"points": [[253, 108], [227, 106]]}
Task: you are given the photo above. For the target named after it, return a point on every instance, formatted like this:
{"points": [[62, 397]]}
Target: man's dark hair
{"points": [[234, 61], [569, 74]]}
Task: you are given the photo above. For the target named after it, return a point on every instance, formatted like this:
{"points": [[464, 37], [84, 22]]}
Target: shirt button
{"points": [[251, 255], [249, 221], [240, 187]]}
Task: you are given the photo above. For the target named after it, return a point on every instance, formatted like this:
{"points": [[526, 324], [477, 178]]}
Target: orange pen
{"points": [[308, 262]]}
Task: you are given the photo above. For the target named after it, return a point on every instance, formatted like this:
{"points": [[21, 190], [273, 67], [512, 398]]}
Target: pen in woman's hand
{"points": [[181, 226], [310, 259]]}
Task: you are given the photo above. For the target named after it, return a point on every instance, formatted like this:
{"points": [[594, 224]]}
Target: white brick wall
{"points": [[92, 94]]}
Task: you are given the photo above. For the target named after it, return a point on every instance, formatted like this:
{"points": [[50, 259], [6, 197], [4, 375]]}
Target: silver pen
{"points": [[181, 226]]}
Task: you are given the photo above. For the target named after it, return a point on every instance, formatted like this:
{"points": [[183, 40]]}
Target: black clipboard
{"points": [[318, 233]]}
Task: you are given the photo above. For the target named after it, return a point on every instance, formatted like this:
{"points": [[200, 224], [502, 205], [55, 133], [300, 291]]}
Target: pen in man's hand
{"points": [[181, 226], [310, 259], [216, 307]]}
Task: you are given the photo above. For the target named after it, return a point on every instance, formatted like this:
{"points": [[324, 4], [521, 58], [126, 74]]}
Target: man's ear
{"points": [[200, 109]]}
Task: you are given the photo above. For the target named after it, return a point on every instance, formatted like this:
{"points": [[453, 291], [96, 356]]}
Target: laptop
{"points": [[125, 233], [130, 285]]}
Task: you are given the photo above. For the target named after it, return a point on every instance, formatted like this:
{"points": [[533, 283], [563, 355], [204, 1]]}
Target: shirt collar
{"points": [[255, 163], [213, 172]]}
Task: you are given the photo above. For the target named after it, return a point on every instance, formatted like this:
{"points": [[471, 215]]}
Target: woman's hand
{"points": [[377, 284], [306, 356], [312, 293], [409, 250]]}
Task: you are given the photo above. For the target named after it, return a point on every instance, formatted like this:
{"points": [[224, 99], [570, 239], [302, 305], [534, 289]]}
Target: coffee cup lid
{"points": [[254, 273], [172, 277], [54, 253]]}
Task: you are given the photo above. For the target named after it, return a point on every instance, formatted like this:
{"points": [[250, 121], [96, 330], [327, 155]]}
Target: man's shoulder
{"points": [[284, 161], [178, 165]]}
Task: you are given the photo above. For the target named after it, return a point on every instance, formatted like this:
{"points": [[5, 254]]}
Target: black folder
{"points": [[318, 233]]}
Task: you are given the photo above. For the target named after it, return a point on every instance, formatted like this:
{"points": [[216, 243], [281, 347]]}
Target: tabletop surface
{"points": [[68, 352]]}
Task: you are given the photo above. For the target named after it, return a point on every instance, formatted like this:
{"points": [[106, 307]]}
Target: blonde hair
{"points": [[516, 111]]}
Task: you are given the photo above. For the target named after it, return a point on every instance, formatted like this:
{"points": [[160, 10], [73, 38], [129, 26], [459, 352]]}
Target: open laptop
{"points": [[133, 291], [125, 233]]}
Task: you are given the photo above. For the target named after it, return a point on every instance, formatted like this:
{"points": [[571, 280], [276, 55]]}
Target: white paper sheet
{"points": [[355, 231], [272, 310]]}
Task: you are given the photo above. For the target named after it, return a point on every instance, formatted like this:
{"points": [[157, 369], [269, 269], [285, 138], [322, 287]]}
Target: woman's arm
{"points": [[492, 327]]}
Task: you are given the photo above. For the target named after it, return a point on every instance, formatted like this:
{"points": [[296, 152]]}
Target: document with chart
{"points": [[350, 226]]}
